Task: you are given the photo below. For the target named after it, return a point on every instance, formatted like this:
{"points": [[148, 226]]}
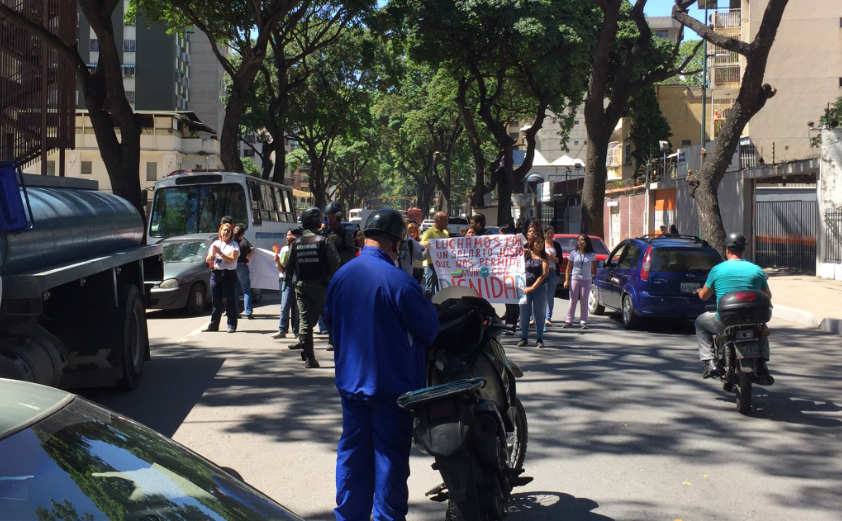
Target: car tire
{"points": [[256, 295], [133, 336], [594, 307], [630, 319], [195, 299]]}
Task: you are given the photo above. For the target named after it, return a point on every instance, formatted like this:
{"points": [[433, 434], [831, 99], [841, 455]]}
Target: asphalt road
{"points": [[621, 425]]}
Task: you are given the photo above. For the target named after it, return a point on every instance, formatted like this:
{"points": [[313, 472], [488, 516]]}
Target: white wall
{"points": [[829, 188]]}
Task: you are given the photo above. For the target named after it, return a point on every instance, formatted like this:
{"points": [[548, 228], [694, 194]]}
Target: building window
{"points": [[685, 143], [51, 168], [129, 70], [248, 152], [840, 83], [575, 142], [129, 45], [662, 34], [151, 171], [87, 168], [94, 45], [576, 122], [130, 96], [628, 159], [585, 142]]}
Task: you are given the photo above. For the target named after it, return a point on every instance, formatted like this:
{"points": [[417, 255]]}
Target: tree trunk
{"points": [[505, 187], [229, 151], [593, 190]]}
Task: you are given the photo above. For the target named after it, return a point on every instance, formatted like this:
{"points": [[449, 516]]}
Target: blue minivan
{"points": [[654, 277]]}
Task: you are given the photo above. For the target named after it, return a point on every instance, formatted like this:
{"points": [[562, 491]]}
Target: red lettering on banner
{"points": [[509, 284], [496, 289]]}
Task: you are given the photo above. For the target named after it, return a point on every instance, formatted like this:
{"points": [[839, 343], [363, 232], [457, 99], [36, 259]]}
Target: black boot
{"points": [[307, 353], [763, 377], [711, 370]]}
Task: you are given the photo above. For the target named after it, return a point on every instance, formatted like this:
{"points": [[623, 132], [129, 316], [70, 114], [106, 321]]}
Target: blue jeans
{"points": [[244, 287], [289, 309], [535, 306], [552, 283], [372, 461], [431, 282]]}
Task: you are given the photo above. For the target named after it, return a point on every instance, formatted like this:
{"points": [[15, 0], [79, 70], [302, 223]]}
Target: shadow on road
{"points": [[170, 388], [552, 506]]}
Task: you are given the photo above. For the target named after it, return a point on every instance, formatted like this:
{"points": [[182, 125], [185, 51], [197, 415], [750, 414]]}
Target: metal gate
{"points": [[785, 234]]}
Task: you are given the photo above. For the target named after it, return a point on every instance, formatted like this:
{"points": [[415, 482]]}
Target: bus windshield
{"points": [[179, 210]]}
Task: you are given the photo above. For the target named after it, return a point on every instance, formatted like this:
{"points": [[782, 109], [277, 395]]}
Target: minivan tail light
{"points": [[746, 296], [647, 263]]}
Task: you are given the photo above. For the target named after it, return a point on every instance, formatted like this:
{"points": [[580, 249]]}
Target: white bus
{"points": [[195, 202]]}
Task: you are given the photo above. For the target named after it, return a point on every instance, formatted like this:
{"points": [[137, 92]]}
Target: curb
{"points": [[831, 325], [796, 315]]}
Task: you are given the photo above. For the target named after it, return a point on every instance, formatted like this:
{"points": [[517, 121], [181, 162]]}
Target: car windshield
{"points": [[182, 210], [87, 463], [683, 260], [568, 244], [185, 251]]}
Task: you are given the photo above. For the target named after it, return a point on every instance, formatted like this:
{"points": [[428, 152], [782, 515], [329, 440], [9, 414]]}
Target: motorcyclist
{"points": [[313, 259], [735, 274]]}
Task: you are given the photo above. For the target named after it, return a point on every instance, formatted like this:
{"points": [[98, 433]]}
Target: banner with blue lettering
{"points": [[491, 265]]}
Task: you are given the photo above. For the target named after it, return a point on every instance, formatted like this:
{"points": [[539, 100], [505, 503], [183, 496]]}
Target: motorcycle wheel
{"points": [[468, 509], [744, 393], [517, 441]]}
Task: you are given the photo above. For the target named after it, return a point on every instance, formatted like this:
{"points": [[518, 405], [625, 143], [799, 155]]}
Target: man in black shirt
{"points": [[244, 282]]}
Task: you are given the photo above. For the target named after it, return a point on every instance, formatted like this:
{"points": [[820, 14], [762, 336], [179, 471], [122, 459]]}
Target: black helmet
{"points": [[385, 220], [334, 207], [311, 218], [736, 241]]}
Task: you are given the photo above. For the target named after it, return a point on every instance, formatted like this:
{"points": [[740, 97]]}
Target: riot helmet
{"points": [[736, 242], [334, 207], [311, 218], [385, 221]]}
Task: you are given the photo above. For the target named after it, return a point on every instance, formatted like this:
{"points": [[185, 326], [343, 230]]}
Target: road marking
{"points": [[191, 335]]}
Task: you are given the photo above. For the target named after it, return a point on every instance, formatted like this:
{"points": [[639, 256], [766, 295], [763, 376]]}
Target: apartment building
{"points": [[805, 66]]}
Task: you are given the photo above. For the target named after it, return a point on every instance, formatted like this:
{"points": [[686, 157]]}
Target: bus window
{"points": [[279, 202], [254, 192], [291, 202], [179, 210]]}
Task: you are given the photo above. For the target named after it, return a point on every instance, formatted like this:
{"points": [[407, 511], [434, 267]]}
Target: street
{"points": [[621, 424]]}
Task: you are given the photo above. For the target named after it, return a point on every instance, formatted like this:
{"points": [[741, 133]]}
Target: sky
{"points": [[664, 8]]}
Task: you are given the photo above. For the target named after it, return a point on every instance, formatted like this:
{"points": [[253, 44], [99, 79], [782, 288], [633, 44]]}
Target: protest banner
{"points": [[491, 265], [263, 272]]}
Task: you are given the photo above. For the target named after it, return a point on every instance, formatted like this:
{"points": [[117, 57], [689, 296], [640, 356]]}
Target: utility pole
{"points": [[704, 90]]}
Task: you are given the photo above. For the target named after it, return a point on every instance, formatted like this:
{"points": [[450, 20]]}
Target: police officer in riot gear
{"points": [[313, 259], [342, 238]]}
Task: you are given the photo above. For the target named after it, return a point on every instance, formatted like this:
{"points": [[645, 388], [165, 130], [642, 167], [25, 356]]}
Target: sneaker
{"points": [[210, 329], [531, 322], [567, 325], [321, 332], [279, 335], [295, 346], [232, 330], [250, 317], [509, 332], [329, 347], [522, 342], [545, 329], [584, 325], [539, 344], [547, 324], [311, 363], [710, 369]]}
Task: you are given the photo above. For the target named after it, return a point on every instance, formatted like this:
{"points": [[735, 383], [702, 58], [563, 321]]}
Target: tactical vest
{"points": [[347, 249], [311, 258]]}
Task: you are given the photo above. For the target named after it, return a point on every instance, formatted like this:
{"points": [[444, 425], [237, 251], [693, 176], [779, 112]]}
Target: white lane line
{"points": [[191, 335]]}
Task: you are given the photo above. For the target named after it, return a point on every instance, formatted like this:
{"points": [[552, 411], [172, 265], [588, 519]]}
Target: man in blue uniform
{"points": [[381, 325]]}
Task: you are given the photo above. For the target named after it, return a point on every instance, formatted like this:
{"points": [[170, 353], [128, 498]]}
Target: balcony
{"points": [[726, 20], [720, 111], [725, 76]]}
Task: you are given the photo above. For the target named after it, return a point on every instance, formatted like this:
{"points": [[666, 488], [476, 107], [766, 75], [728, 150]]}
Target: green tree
{"points": [[626, 59], [833, 115], [648, 127], [246, 26], [116, 127], [512, 61]]}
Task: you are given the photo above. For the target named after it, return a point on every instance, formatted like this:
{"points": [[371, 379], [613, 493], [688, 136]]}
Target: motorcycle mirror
{"points": [[453, 292]]}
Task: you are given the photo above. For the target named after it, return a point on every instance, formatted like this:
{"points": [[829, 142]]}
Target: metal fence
{"points": [[785, 234], [832, 248]]}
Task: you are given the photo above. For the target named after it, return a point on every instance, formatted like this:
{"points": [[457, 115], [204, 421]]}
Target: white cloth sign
{"points": [[491, 265], [262, 270]]}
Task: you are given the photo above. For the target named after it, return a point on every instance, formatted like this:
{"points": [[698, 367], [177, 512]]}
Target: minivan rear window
{"points": [[683, 261]]}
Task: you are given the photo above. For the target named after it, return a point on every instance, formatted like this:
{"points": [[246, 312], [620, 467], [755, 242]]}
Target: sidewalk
{"points": [[806, 300]]}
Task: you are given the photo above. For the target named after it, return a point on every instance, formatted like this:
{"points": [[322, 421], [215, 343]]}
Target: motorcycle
{"points": [[470, 418], [744, 315]]}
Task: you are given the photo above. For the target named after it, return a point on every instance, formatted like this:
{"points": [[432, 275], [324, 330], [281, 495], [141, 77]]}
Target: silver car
{"points": [[63, 457], [186, 283]]}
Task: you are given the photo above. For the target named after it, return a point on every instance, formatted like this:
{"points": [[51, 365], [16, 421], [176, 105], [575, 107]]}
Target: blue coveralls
{"points": [[381, 325]]}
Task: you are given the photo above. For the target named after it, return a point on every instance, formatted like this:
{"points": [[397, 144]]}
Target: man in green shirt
{"points": [[438, 231], [735, 274]]}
